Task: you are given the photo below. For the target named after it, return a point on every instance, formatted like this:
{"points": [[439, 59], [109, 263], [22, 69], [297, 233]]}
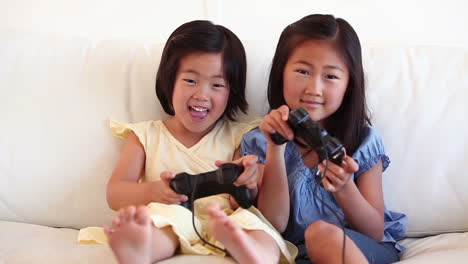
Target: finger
{"points": [[284, 110], [238, 161], [167, 176], [324, 169], [174, 197], [248, 161], [250, 173], [251, 185], [274, 121], [350, 164], [248, 179], [333, 168], [233, 202], [266, 126], [252, 182], [220, 162], [169, 200], [328, 185], [329, 175], [335, 180], [166, 201], [282, 127]]}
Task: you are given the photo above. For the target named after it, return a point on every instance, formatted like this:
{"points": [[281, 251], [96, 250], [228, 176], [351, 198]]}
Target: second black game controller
{"points": [[314, 135], [210, 183]]}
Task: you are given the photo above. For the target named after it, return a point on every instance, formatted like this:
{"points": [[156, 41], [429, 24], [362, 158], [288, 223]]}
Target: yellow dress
{"points": [[166, 153]]}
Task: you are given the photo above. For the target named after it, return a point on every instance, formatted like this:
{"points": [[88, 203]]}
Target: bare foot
{"points": [[130, 236], [239, 244]]}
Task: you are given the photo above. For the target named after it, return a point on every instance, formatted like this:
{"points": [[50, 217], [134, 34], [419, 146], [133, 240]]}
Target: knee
{"points": [[321, 231], [321, 240]]}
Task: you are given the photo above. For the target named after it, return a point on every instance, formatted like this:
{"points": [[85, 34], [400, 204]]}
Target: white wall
{"points": [[415, 21]]}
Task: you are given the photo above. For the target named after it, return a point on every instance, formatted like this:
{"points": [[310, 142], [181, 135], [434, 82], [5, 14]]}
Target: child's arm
{"points": [[123, 188], [273, 197], [361, 202]]}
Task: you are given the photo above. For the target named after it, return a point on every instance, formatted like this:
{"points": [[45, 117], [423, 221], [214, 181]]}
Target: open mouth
{"points": [[198, 113]]}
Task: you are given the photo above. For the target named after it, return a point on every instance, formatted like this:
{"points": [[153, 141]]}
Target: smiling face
{"points": [[315, 78], [200, 94]]}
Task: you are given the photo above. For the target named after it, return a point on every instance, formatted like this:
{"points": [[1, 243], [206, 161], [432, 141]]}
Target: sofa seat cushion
{"points": [[27, 243], [445, 248]]}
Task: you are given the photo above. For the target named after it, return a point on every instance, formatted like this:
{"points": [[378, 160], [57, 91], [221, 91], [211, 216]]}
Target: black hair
{"points": [[204, 36]]}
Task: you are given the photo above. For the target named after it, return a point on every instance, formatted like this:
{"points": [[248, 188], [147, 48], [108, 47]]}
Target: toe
{"points": [[127, 214], [116, 221], [213, 209], [230, 224], [107, 231], [130, 212], [142, 216]]}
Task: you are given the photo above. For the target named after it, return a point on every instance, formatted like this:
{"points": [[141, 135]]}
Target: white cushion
{"points": [[445, 248], [418, 96], [26, 243], [440, 257], [439, 243]]}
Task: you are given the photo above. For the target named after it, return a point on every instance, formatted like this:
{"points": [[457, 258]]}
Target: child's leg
{"points": [[134, 239], [324, 243], [248, 247]]}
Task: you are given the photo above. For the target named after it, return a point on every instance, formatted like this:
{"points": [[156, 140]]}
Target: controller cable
{"points": [[193, 216], [318, 179], [318, 182]]}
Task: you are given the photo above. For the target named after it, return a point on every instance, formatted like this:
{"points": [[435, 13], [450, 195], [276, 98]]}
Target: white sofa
{"points": [[57, 95]]}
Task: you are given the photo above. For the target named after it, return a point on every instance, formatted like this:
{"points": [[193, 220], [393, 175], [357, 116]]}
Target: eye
{"points": [[301, 71], [218, 85], [331, 76], [190, 81]]}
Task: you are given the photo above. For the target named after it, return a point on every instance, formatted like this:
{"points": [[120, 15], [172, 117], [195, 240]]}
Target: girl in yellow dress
{"points": [[201, 85]]}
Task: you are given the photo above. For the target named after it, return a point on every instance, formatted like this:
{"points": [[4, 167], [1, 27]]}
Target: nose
{"points": [[202, 92], [314, 87]]}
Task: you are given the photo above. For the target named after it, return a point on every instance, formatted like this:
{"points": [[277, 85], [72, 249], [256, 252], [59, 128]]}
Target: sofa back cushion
{"points": [[58, 94], [418, 95]]}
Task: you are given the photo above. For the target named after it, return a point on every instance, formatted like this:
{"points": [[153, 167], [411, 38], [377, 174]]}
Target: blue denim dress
{"points": [[304, 208]]}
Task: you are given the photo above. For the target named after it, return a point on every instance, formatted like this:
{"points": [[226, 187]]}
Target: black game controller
{"points": [[211, 183], [314, 136]]}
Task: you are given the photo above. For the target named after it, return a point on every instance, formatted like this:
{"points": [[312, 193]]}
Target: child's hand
{"points": [[249, 176], [275, 121], [164, 193], [338, 176]]}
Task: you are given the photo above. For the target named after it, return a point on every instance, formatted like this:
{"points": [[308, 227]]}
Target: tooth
{"points": [[198, 109]]}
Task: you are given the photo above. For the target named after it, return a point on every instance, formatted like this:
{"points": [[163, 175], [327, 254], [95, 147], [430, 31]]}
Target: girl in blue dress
{"points": [[318, 66]]}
